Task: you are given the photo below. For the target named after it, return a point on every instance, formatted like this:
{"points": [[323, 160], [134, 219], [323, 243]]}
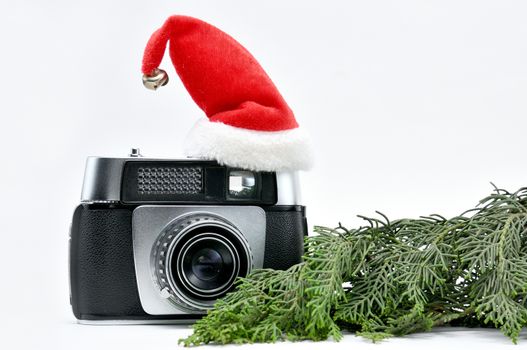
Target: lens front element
{"points": [[206, 264]]}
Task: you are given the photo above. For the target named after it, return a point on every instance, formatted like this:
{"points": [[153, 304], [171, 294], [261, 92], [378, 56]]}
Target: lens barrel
{"points": [[197, 258]]}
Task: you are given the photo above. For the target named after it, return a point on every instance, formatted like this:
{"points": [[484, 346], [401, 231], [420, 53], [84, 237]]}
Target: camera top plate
{"points": [[106, 181]]}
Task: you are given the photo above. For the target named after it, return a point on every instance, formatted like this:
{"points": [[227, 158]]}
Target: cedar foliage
{"points": [[388, 278]]}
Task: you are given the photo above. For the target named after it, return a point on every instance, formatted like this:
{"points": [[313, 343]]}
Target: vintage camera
{"points": [[159, 240]]}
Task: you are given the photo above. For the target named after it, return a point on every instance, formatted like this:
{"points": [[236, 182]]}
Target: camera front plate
{"points": [[149, 221]]}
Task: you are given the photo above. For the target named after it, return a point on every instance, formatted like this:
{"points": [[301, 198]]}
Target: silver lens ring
{"points": [[209, 236], [170, 241]]}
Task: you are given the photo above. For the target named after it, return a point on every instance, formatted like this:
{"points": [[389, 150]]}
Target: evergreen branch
{"points": [[388, 278]]}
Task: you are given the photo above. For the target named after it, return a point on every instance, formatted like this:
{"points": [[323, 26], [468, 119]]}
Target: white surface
{"points": [[414, 106]]}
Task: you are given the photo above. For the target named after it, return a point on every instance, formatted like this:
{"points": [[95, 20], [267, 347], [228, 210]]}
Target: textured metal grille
{"points": [[169, 180]]}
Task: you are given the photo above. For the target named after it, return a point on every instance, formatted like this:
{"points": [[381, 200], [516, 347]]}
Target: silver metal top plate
{"points": [[103, 178]]}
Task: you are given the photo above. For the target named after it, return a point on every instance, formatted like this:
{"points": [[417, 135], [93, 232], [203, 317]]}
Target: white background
{"points": [[414, 107]]}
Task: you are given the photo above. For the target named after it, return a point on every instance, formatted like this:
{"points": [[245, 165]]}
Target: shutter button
{"points": [[135, 153]]}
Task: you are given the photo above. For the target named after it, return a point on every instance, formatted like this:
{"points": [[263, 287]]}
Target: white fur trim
{"points": [[250, 149]]}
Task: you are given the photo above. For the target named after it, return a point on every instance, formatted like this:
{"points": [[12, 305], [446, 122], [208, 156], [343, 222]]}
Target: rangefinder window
{"points": [[242, 184]]}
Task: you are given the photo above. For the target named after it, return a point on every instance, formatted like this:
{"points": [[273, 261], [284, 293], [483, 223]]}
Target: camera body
{"points": [[159, 240]]}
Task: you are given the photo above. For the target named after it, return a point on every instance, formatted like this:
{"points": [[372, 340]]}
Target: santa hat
{"points": [[249, 124]]}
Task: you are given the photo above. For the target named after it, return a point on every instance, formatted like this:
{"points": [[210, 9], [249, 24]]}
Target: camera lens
{"points": [[197, 259], [208, 264]]}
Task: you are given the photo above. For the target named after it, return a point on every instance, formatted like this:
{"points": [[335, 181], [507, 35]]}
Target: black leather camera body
{"points": [[160, 240]]}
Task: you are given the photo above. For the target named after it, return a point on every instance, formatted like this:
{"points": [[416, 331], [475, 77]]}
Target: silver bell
{"points": [[157, 78]]}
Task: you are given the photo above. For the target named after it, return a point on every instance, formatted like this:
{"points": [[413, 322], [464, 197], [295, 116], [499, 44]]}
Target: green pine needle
{"points": [[388, 278]]}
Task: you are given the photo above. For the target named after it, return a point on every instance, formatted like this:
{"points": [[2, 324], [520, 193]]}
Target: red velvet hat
{"points": [[248, 124]]}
